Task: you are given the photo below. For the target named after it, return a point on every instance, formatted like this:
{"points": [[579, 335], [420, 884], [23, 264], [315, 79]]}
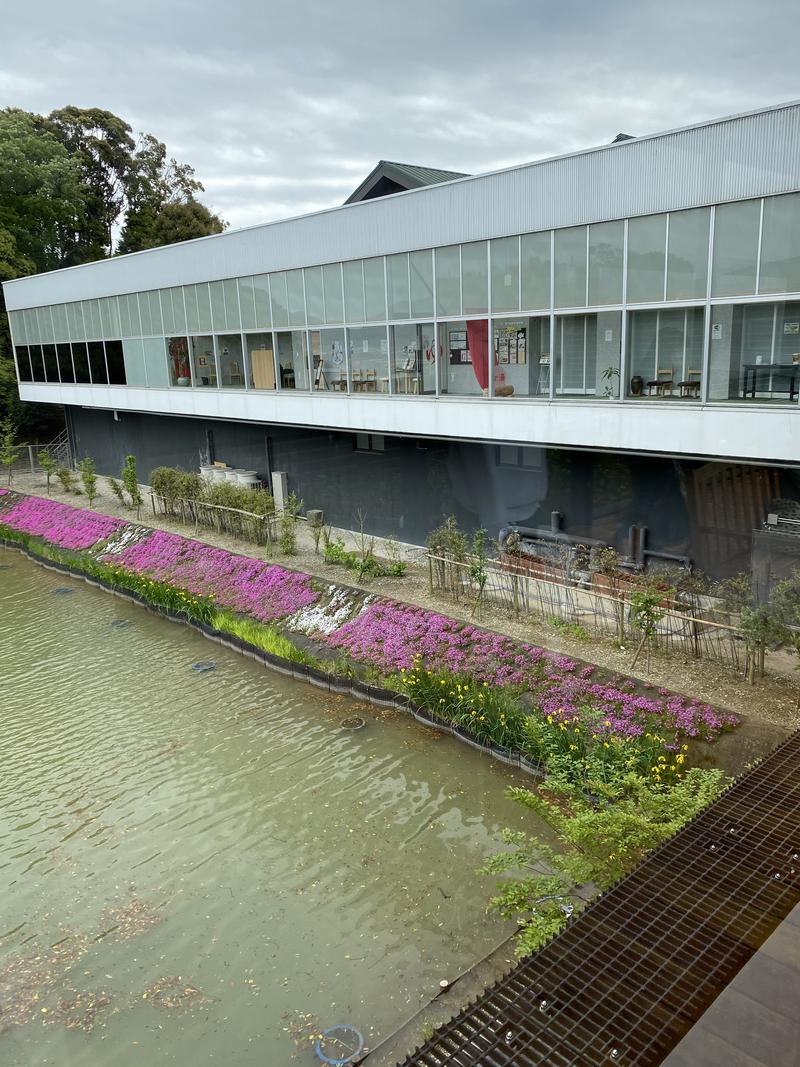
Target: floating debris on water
{"points": [[121, 924], [355, 722], [175, 994], [80, 1012], [120, 624], [63, 590], [204, 665]]}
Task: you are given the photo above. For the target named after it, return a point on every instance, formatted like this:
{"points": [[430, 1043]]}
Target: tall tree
{"points": [[42, 198], [162, 208], [102, 144]]}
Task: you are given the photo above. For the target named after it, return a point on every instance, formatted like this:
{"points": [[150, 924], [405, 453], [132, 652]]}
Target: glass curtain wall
{"points": [[588, 354], [204, 367], [292, 359], [464, 357], [230, 361], [375, 314], [369, 359], [665, 353], [413, 354], [521, 349], [328, 360], [260, 362], [754, 352]]}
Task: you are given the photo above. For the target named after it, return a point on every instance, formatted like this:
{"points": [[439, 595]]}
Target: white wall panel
{"points": [[743, 156], [770, 435]]}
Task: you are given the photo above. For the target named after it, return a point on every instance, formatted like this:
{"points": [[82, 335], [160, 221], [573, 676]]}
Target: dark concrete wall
{"points": [[411, 486]]}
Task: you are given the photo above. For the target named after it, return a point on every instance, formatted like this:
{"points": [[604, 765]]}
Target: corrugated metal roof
{"points": [[425, 175]]}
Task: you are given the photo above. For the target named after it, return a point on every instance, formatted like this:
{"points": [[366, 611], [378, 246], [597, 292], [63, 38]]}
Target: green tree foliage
{"points": [[9, 448], [48, 465], [599, 843], [42, 196], [162, 208], [68, 181], [100, 144], [88, 475], [130, 482]]}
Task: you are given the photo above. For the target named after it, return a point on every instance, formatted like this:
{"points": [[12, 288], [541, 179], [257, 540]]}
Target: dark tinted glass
{"points": [[24, 363], [80, 359], [65, 363], [97, 363], [50, 363], [116, 363], [37, 363]]}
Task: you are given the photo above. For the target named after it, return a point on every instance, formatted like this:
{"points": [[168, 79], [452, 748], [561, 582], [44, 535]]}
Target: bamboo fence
{"points": [[692, 627]]}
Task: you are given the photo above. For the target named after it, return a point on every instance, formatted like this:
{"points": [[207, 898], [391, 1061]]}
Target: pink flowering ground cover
{"points": [[60, 524], [251, 587], [388, 635]]}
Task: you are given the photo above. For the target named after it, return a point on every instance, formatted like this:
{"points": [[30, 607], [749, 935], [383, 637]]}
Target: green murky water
{"points": [[204, 868]]}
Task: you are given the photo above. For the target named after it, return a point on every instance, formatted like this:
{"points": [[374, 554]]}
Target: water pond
{"points": [[205, 867]]}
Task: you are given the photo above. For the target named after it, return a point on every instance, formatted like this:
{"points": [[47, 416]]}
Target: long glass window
{"points": [[97, 363], [687, 257], [647, 244], [665, 353], [474, 278], [374, 289], [521, 350], [115, 363], [606, 240], [353, 274], [332, 285], [260, 360], [328, 360], [570, 267], [736, 226], [204, 366], [780, 245], [588, 354], [369, 359], [755, 352], [65, 369], [535, 270], [421, 271], [448, 280], [464, 357], [292, 359], [505, 274], [178, 362], [397, 282], [315, 305], [413, 353], [80, 361], [230, 361]]}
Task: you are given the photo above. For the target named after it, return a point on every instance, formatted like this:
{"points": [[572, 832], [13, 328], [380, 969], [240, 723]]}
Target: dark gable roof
{"points": [[388, 178]]}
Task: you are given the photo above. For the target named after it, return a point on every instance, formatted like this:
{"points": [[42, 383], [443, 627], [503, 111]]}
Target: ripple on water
{"points": [[210, 844]]}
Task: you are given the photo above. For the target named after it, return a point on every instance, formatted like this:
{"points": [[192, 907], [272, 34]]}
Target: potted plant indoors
{"points": [[608, 376]]}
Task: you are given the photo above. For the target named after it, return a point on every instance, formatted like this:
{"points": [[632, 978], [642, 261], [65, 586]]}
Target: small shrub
{"points": [[570, 629], [397, 568], [9, 448], [287, 525], [116, 489], [130, 482], [67, 479], [88, 478], [48, 465]]}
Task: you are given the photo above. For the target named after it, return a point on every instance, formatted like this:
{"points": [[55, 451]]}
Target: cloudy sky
{"points": [[283, 108]]}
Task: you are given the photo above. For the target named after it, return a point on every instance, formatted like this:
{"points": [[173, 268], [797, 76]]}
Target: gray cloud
{"points": [[283, 109]]}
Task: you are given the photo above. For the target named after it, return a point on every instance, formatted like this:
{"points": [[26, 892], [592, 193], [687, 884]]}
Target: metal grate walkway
{"points": [[627, 979]]}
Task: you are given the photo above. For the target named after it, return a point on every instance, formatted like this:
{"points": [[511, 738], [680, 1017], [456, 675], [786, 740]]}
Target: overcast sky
{"points": [[283, 108]]}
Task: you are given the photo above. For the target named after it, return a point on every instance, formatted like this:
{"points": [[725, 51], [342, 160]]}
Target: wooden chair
{"points": [[370, 381], [234, 374], [690, 387], [663, 381]]}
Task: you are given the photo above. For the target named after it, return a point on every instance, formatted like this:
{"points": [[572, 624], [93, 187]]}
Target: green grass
{"points": [[262, 635]]}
